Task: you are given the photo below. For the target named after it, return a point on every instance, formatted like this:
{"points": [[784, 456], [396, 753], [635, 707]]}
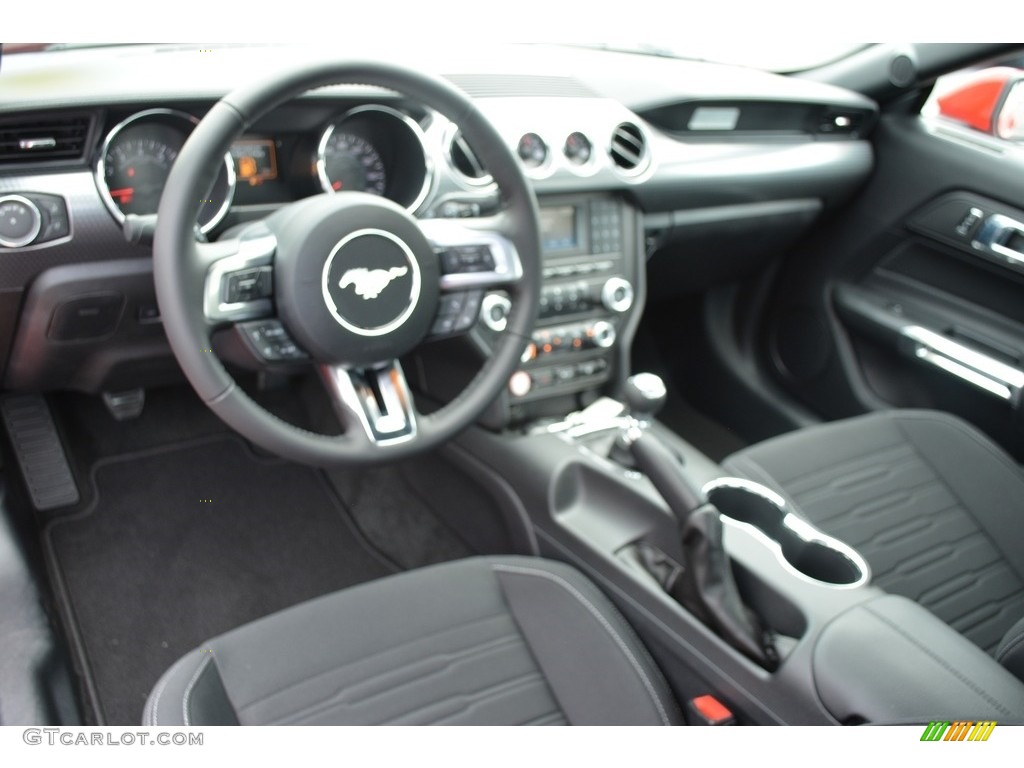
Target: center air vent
{"points": [[628, 148], [37, 140], [465, 161]]}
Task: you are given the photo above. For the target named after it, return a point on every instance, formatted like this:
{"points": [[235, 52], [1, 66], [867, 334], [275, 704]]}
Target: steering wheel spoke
{"points": [[477, 258], [374, 404], [474, 253], [239, 278]]}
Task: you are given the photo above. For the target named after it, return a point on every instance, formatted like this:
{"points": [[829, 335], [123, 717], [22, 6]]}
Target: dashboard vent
{"points": [[465, 161], [629, 147], [25, 141]]}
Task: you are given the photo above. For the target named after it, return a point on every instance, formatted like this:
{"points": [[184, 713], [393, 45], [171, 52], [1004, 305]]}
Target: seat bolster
{"points": [[190, 693], [597, 668], [1011, 651]]}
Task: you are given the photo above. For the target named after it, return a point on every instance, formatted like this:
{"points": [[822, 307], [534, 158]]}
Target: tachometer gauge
{"points": [[347, 163], [136, 160], [135, 171]]}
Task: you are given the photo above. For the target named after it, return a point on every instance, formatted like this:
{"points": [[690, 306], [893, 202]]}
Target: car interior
{"points": [[541, 384]]}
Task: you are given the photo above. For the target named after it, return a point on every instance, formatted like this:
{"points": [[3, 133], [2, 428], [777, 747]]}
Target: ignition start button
{"points": [[20, 221]]}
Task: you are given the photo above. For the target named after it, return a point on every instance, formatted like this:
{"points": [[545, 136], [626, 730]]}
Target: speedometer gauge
{"points": [[136, 160], [375, 149], [347, 163]]}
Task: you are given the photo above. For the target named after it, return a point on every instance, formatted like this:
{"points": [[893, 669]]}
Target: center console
{"points": [[843, 650], [590, 304]]}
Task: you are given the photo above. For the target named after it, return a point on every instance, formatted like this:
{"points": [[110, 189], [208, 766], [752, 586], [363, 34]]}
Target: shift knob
{"points": [[645, 395]]}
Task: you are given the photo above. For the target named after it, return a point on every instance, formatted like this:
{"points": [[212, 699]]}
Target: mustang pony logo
{"points": [[370, 282]]}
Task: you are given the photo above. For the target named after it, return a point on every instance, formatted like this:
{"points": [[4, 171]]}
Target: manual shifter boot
{"points": [[707, 588]]}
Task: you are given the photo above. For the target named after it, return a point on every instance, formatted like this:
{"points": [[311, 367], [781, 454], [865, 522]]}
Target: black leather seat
{"points": [[934, 506], [502, 640]]}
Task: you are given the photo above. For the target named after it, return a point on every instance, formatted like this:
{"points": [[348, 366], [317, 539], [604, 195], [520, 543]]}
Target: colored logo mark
{"points": [[961, 730]]}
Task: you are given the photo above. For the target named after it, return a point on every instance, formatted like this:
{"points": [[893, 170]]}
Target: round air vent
{"points": [[465, 161], [628, 148]]}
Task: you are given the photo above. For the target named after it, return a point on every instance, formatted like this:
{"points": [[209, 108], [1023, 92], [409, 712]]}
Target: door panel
{"points": [[917, 287]]}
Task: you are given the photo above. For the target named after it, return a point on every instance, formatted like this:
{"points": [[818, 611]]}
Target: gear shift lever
{"points": [[645, 396], [705, 586]]}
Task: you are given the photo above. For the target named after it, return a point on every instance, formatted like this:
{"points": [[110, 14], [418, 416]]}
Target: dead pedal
{"points": [[39, 452]]}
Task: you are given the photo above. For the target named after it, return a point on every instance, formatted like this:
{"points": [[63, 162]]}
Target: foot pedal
{"points": [[125, 405], [39, 452]]}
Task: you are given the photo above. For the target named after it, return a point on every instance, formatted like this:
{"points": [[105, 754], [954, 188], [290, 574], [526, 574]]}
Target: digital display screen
{"points": [[558, 230], [255, 160]]}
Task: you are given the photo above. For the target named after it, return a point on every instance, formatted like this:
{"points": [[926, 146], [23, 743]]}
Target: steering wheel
{"points": [[348, 282]]}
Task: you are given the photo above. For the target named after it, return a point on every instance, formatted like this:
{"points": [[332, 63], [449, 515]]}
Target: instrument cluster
{"points": [[371, 148]]}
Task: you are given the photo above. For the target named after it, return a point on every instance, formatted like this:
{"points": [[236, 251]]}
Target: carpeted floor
{"points": [[184, 542]]}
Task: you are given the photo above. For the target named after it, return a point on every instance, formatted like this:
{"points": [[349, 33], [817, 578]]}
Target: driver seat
{"points": [[495, 640]]}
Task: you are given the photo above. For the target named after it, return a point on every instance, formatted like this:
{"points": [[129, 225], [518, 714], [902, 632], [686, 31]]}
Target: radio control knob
{"points": [[602, 334], [617, 294]]}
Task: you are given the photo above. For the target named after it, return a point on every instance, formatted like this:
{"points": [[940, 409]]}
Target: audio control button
{"points": [[617, 294], [602, 334]]}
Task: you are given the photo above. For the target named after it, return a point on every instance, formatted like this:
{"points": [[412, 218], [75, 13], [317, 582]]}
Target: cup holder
{"points": [[799, 545]]}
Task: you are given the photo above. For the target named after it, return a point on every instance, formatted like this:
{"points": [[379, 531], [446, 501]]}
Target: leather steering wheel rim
{"points": [[180, 271]]}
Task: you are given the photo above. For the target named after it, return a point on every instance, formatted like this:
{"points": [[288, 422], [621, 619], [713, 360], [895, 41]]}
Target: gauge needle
{"points": [[124, 192]]}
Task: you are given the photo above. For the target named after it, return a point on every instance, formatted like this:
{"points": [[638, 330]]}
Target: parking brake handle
{"points": [[705, 586]]}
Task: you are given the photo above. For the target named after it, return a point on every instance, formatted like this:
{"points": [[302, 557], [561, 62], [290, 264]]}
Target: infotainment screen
{"points": [[558, 230]]}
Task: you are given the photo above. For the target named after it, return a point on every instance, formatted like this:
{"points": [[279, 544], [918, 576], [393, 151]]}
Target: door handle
{"points": [[1003, 237], [968, 364]]}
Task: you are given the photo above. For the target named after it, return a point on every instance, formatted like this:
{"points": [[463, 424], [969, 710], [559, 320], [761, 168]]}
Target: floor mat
{"points": [[185, 542]]}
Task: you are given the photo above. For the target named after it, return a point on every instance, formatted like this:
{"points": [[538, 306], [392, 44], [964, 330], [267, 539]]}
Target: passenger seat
{"points": [[934, 506]]}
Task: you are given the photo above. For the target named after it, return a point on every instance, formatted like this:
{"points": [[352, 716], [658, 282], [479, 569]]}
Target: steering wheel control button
{"points": [[467, 258], [457, 312], [371, 282], [451, 304], [271, 341], [248, 285], [20, 221], [470, 311], [443, 326]]}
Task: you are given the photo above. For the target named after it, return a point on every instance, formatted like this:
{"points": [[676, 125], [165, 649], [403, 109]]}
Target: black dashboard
{"points": [[626, 153]]}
